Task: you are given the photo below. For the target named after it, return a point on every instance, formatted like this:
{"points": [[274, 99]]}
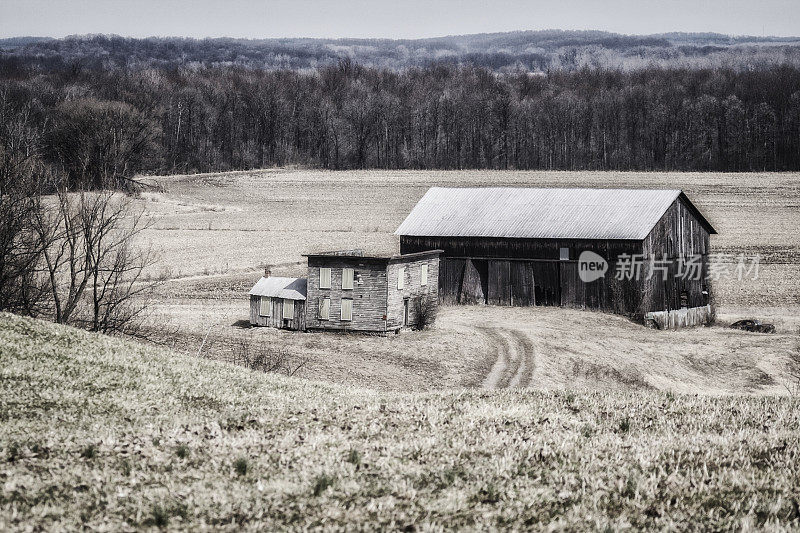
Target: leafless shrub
{"points": [[424, 311], [266, 357]]}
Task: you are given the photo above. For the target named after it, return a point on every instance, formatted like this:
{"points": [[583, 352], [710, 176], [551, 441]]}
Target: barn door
{"points": [[522, 283], [547, 288], [499, 283], [572, 288]]}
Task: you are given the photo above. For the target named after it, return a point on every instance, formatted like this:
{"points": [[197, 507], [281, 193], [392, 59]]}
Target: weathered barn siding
{"points": [[369, 296], [276, 320], [677, 235], [412, 290], [528, 272]]}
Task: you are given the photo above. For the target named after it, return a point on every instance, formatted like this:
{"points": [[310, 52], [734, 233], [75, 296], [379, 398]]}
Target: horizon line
{"points": [[446, 36]]}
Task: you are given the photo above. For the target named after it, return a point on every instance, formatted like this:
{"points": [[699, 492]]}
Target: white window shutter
{"points": [[324, 308], [265, 306], [424, 275], [288, 309], [347, 309], [347, 278], [324, 278], [401, 278]]}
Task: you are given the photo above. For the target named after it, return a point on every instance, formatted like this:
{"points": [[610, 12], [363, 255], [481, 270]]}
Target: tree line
{"points": [[101, 128]]}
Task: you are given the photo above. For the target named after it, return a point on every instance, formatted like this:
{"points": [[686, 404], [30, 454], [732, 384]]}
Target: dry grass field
{"points": [[105, 434], [215, 233]]}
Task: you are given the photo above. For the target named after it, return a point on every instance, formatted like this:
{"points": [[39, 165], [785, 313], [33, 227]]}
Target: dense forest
{"points": [[99, 123]]}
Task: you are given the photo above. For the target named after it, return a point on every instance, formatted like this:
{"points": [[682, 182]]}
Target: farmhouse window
{"points": [[423, 275], [347, 278], [288, 309], [324, 278], [401, 278], [564, 254], [265, 306], [347, 309], [324, 308]]}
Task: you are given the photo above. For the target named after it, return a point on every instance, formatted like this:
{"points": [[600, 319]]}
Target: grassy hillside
{"points": [[115, 435]]}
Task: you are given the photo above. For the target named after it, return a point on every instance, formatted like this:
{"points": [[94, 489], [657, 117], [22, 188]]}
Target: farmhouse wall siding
{"points": [[412, 290], [378, 305], [369, 296]]}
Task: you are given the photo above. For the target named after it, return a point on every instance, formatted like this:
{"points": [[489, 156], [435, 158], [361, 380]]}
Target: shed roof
{"points": [[627, 214], [275, 287]]}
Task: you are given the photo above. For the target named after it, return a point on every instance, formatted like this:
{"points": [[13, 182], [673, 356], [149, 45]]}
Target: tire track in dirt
{"points": [[524, 349], [500, 366], [515, 361]]}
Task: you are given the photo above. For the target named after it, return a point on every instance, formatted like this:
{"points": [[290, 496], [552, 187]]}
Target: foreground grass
{"points": [[108, 434]]}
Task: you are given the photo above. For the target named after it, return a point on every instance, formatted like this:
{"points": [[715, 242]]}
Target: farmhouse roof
{"points": [[627, 214], [275, 287], [358, 255]]}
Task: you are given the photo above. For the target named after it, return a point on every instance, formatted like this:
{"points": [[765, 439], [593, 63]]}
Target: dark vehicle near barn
{"points": [[754, 326]]}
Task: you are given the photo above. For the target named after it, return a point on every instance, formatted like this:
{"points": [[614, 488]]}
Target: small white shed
{"points": [[279, 302]]}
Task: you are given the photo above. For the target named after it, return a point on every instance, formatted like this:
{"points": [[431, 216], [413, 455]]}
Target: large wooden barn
{"points": [[521, 246]]}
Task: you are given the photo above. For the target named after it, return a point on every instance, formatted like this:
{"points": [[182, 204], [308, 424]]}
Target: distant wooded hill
{"points": [[520, 50], [98, 110]]}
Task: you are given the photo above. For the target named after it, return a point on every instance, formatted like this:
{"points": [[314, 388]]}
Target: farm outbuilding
{"points": [[278, 302], [521, 246], [349, 291]]}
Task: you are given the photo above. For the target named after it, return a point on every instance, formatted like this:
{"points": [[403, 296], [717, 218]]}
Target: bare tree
{"points": [[90, 259], [21, 290]]}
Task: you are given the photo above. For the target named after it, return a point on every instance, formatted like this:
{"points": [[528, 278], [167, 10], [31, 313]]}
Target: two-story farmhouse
{"points": [[353, 292], [521, 246]]}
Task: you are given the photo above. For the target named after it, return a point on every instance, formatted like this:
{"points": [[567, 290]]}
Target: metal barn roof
{"points": [[540, 213], [288, 288]]}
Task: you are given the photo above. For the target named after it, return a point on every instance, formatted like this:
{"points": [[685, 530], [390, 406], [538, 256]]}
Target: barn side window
{"points": [[401, 278], [324, 278], [347, 278], [324, 308], [423, 275], [288, 309], [265, 306], [564, 254], [347, 309]]}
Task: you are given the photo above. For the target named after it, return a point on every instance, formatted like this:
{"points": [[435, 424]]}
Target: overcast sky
{"points": [[390, 18]]}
